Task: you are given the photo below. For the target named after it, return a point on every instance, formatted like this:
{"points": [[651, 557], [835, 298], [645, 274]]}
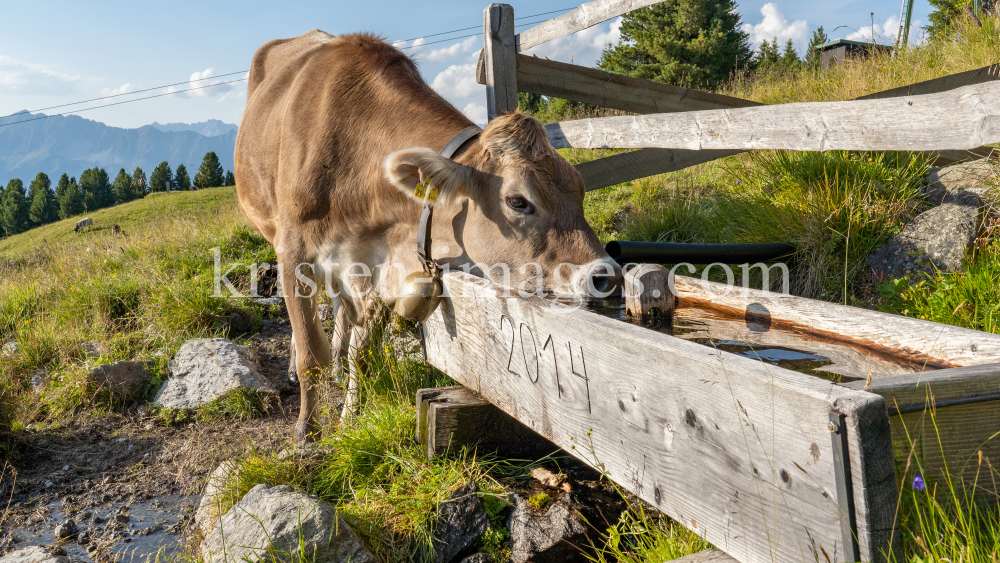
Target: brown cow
{"points": [[336, 134]]}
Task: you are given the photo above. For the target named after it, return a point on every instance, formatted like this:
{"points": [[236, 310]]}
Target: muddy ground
{"points": [[130, 482]]}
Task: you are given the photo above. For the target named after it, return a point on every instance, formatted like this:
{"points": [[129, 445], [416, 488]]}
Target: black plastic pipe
{"points": [[624, 252]]}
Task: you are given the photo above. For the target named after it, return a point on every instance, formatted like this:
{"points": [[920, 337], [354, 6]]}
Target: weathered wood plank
{"points": [[647, 292], [707, 556], [942, 84], [966, 408], [731, 447], [629, 166], [593, 86], [940, 346], [450, 418], [964, 118], [850, 362], [501, 70], [948, 387], [587, 15]]}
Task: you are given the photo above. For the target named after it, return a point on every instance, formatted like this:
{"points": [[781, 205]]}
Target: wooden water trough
{"points": [[768, 464]]}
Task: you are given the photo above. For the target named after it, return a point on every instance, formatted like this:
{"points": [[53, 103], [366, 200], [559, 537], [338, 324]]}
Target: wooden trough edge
{"points": [[668, 420], [941, 346], [939, 388]]}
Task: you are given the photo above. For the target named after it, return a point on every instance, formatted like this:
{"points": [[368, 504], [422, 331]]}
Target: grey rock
{"points": [[461, 523], [209, 503], [65, 529], [33, 554], [554, 535], [939, 237], [269, 301], [273, 521], [124, 379], [205, 369], [39, 381], [9, 348], [404, 342], [477, 558], [976, 177], [307, 451]]}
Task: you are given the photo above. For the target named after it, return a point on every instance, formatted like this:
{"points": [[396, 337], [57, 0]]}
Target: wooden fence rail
{"points": [[964, 118], [629, 94]]}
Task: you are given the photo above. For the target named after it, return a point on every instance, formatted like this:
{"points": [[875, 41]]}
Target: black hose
{"points": [[625, 252]]}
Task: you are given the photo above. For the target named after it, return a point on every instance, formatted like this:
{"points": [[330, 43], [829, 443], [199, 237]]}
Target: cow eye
{"points": [[521, 205]]}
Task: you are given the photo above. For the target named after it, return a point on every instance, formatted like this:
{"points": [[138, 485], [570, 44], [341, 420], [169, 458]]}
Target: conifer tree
{"points": [[789, 58], [122, 187], [43, 206], [61, 188], [767, 54], [139, 183], [96, 187], [14, 214], [71, 203], [817, 40], [684, 42], [161, 178], [209, 173], [182, 181], [230, 178]]}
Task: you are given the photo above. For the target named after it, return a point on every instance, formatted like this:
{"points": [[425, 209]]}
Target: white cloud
{"points": [[29, 78], [452, 51], [476, 112], [776, 25], [457, 81], [204, 84], [123, 89], [886, 33], [581, 48]]}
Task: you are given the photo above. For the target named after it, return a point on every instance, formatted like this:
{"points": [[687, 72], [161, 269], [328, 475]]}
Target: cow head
{"points": [[518, 209]]}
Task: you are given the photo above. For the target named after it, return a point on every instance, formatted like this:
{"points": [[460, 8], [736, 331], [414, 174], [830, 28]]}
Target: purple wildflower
{"points": [[918, 483]]}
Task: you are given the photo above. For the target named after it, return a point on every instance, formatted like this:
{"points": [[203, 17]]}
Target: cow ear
{"points": [[420, 172]]}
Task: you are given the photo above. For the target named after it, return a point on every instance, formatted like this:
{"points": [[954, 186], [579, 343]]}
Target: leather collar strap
{"points": [[427, 213]]}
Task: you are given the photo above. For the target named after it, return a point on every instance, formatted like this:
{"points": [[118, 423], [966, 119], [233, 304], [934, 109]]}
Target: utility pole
{"points": [[904, 22]]}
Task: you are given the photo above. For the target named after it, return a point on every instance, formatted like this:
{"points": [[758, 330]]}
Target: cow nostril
{"points": [[601, 283]]}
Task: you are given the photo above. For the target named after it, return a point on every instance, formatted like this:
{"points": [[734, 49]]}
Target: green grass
{"points": [[970, 298], [966, 47], [139, 295]]}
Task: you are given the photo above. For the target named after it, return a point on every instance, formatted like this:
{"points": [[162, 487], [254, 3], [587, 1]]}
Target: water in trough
{"points": [[775, 345]]}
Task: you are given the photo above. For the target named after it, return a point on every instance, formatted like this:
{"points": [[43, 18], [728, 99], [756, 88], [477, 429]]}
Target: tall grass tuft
{"points": [[965, 47]]}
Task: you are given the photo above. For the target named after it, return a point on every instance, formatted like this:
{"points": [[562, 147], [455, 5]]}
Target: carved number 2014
{"points": [[533, 373]]}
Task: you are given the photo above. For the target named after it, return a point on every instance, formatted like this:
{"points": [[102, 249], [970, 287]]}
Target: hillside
{"points": [[133, 217], [71, 144]]}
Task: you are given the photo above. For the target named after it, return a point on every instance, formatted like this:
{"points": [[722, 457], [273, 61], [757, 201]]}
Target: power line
{"points": [[128, 93], [480, 27], [460, 38], [123, 102]]}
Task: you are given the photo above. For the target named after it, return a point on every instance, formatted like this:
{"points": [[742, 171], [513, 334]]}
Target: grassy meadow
{"points": [[140, 294]]}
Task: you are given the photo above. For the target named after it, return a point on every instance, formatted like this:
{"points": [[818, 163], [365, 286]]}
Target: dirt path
{"points": [[129, 482]]}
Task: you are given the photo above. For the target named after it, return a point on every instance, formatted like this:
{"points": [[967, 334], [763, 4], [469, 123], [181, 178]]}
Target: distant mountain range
{"points": [[210, 128], [71, 144]]}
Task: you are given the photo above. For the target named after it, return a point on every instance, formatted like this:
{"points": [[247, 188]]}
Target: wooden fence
{"points": [[505, 72], [768, 464]]}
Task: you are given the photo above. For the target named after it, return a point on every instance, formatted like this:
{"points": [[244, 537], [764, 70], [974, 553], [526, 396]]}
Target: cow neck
{"points": [[460, 140]]}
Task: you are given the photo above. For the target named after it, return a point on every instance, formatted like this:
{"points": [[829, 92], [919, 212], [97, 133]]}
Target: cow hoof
{"points": [[307, 432]]}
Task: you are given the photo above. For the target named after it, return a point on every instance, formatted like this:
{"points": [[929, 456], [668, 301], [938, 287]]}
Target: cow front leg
{"points": [[311, 349]]}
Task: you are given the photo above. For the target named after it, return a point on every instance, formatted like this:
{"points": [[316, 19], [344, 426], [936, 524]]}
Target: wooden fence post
{"points": [[499, 51]]}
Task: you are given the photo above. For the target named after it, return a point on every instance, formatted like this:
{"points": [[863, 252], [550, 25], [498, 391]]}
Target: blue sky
{"points": [[54, 53]]}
